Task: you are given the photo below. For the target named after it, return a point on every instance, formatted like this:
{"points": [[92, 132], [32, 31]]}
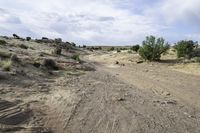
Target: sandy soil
{"points": [[179, 81], [116, 98]]}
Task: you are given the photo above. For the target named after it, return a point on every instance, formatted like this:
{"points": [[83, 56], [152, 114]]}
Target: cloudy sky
{"points": [[101, 22]]}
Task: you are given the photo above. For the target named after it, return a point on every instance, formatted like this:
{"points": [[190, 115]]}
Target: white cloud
{"points": [[87, 21], [177, 11], [187, 10], [193, 36], [95, 21]]}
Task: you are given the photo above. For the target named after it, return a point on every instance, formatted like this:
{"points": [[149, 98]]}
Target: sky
{"points": [[101, 22]]}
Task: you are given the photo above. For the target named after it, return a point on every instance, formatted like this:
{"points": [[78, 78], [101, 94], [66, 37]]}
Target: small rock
{"points": [[36, 64], [156, 101], [166, 93], [14, 58], [50, 64], [171, 102], [117, 62], [13, 73], [41, 54], [3, 75], [121, 99], [190, 116], [139, 62], [50, 73]]}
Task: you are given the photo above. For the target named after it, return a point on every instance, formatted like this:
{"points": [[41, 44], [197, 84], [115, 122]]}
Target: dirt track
{"points": [[106, 104], [108, 100]]}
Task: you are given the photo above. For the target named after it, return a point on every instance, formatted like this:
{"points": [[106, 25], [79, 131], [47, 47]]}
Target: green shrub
{"points": [[111, 49], [123, 48], [6, 65], [2, 42], [184, 48], [130, 52], [14, 58], [57, 51], [197, 59], [135, 48], [73, 44], [153, 48], [194, 53], [28, 38], [58, 40], [50, 64], [76, 57], [118, 50]]}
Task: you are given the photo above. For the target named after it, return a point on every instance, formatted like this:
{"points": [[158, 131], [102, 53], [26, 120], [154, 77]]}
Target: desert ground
{"points": [[103, 92]]}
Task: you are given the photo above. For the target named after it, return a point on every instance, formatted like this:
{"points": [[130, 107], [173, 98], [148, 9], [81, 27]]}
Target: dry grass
{"points": [[5, 54], [76, 57], [2, 42], [197, 59], [189, 68], [6, 65], [23, 46]]}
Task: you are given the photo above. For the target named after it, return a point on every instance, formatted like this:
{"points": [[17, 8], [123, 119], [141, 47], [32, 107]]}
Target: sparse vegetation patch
{"points": [[5, 54], [118, 50], [153, 48], [76, 57], [23, 46], [57, 51], [28, 38], [50, 64], [111, 49], [6, 65], [184, 48], [135, 48], [2, 42], [14, 58]]}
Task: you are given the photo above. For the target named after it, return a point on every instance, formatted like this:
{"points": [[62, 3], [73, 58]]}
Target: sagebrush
{"points": [[153, 48], [184, 48]]}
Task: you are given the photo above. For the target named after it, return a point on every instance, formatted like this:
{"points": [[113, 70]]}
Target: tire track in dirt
{"points": [[101, 103], [15, 116]]}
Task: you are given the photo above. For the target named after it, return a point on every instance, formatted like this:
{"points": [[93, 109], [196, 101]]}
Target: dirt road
{"points": [[105, 104], [158, 78]]}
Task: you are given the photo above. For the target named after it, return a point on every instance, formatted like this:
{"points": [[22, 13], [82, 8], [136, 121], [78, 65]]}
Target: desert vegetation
{"points": [[76, 57], [2, 42], [135, 48], [5, 54], [57, 50], [28, 38], [153, 48], [6, 65], [185, 48]]}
